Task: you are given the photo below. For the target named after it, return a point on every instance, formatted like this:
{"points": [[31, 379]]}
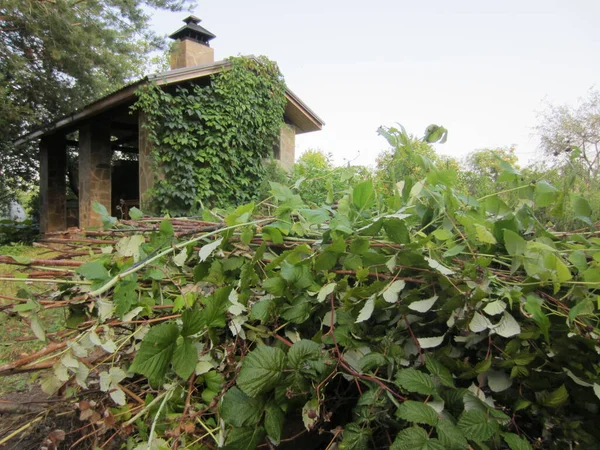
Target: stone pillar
{"points": [[53, 183], [95, 155], [190, 53], [146, 168], [287, 146]]}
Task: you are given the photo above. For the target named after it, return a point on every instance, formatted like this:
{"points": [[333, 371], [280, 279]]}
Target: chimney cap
{"points": [[191, 30]]}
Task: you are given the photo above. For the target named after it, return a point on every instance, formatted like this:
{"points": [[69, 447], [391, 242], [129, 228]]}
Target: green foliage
{"points": [[60, 55], [209, 141], [440, 323]]}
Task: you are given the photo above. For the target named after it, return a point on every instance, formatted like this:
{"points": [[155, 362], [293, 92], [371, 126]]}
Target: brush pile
{"points": [[432, 322]]}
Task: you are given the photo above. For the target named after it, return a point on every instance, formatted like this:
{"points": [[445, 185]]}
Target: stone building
{"points": [[108, 125]]}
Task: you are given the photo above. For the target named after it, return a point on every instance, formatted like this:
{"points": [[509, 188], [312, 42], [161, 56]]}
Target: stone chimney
{"points": [[192, 47]]}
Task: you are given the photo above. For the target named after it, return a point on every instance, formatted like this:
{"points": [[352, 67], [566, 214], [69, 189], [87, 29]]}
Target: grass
{"points": [[12, 327]]}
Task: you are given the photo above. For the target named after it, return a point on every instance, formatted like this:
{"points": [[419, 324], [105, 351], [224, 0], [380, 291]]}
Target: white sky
{"points": [[479, 68]]}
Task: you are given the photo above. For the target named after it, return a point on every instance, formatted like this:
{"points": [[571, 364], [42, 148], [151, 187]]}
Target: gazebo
{"points": [[108, 125]]}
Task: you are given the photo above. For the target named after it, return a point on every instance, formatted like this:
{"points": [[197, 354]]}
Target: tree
{"points": [[57, 56], [482, 168], [566, 129]]}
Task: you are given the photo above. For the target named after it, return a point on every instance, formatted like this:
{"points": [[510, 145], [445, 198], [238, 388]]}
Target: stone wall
{"points": [[188, 53]]}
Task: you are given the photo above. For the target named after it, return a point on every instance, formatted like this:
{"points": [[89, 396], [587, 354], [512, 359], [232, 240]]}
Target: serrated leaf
{"points": [[363, 195], [494, 308], [476, 425], [302, 351], [484, 235], [430, 342], [246, 438], [417, 412], [451, 436], [438, 266], [371, 361], [582, 209], [356, 437], [154, 355], [130, 246], [325, 291], [390, 294], [479, 323], [207, 249], [240, 410], [545, 194], [274, 421], [437, 369], [515, 244], [553, 399], [415, 381], [423, 306], [415, 438], [185, 358], [508, 326], [515, 442], [94, 270], [261, 370], [367, 310], [396, 230]]}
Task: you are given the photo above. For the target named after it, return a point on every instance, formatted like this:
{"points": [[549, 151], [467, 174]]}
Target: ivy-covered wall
{"points": [[209, 141]]}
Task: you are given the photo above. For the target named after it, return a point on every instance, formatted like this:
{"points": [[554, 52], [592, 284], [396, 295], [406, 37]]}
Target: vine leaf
{"points": [[207, 249], [451, 436], [416, 438], [261, 370], [476, 425], [438, 370], [185, 358], [553, 399], [154, 355], [390, 295], [415, 381], [423, 306], [363, 194], [438, 266], [356, 437], [515, 442], [301, 351], [367, 310], [508, 326], [239, 410], [430, 342], [274, 421], [246, 438], [417, 412], [325, 291]]}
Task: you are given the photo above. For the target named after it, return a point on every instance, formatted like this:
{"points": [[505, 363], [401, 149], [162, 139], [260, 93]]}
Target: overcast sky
{"points": [[481, 69]]}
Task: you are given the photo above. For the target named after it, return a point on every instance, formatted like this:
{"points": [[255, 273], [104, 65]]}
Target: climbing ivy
{"points": [[210, 140]]}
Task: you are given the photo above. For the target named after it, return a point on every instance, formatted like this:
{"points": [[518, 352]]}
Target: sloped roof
{"points": [[296, 111]]}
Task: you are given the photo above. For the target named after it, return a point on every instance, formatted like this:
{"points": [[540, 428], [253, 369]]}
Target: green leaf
{"points": [[484, 235], [93, 270], [437, 369], [261, 370], [515, 442], [246, 438], [453, 251], [534, 307], [476, 425], [396, 231], [415, 381], [438, 266], [390, 294], [545, 194], [125, 296], [154, 355], [372, 361], [314, 216], [135, 213], [239, 410], [451, 436], [193, 322], [367, 310], [274, 421], [423, 306], [185, 358], [275, 285], [515, 244], [582, 209], [130, 246], [417, 412], [301, 351], [415, 438], [356, 437], [553, 399], [430, 342], [325, 291], [207, 249], [363, 195], [508, 326]]}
